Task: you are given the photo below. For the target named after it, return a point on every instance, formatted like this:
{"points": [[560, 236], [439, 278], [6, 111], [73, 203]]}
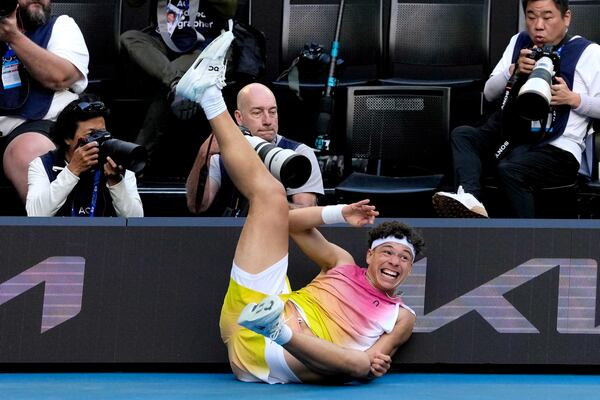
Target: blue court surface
{"points": [[174, 386]]}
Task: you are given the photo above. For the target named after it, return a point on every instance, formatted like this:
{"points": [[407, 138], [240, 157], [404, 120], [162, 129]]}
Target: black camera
{"points": [[544, 51], [313, 63], [533, 100], [315, 52], [130, 156], [7, 7]]}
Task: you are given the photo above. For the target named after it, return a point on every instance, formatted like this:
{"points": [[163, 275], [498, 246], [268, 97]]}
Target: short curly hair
{"points": [[399, 230]]}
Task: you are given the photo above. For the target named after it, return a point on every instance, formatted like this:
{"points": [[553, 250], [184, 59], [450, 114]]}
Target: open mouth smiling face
{"points": [[388, 265]]}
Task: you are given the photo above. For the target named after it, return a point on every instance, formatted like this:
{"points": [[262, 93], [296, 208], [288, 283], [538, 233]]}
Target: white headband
{"points": [[394, 239]]}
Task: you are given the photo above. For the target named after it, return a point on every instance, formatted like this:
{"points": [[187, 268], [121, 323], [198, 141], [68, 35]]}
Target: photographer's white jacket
{"points": [[44, 199]]}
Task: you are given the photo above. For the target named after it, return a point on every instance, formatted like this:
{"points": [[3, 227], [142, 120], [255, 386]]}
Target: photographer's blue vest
{"points": [[569, 52], [79, 200], [30, 100], [229, 198]]}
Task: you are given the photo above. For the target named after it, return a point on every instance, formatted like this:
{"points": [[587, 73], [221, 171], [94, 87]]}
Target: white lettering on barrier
{"points": [[576, 298], [63, 288]]}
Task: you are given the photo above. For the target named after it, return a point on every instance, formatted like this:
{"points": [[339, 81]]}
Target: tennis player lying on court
{"points": [[348, 322]]}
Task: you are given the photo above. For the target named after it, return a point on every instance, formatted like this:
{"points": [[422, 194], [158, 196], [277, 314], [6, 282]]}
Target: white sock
{"points": [[285, 335], [212, 102]]}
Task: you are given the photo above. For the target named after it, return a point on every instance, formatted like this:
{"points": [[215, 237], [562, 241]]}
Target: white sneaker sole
{"points": [[449, 207]]}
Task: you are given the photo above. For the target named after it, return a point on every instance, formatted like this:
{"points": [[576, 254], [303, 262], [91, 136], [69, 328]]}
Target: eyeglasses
{"points": [[96, 106]]}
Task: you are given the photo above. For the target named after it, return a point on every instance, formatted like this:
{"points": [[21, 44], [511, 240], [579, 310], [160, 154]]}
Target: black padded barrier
{"points": [[149, 290]]}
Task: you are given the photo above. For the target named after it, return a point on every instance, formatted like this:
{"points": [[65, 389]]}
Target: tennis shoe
{"points": [[458, 205], [264, 318], [208, 69]]}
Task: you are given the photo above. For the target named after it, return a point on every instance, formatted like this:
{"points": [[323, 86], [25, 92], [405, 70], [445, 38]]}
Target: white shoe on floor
{"points": [[264, 318], [208, 69], [458, 205]]}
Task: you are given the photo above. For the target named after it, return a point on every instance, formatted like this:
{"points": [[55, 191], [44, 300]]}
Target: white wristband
{"points": [[333, 214]]}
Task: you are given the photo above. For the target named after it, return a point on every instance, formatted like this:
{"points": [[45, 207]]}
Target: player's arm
{"points": [[389, 343], [303, 223]]}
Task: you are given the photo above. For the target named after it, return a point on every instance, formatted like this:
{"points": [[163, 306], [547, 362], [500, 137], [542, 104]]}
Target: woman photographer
{"points": [[75, 179]]}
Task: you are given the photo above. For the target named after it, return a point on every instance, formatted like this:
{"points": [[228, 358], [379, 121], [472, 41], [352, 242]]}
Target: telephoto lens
{"points": [[131, 156], [287, 166], [533, 100]]}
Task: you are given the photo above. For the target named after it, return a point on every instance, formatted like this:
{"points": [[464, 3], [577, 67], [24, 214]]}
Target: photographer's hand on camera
{"points": [[9, 30], [562, 95], [84, 158], [524, 64], [113, 172]]}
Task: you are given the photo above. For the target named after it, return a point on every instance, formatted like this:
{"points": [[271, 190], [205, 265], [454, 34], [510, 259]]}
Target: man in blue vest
{"points": [[44, 66], [167, 51], [257, 112], [526, 153]]}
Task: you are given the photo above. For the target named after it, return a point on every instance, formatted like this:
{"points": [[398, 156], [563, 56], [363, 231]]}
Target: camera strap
{"points": [[203, 175], [293, 76], [94, 199], [560, 44], [544, 129], [95, 192]]}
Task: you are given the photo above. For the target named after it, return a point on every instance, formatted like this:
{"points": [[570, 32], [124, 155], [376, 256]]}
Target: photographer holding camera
{"points": [[257, 113], [81, 178], [549, 85], [44, 66]]}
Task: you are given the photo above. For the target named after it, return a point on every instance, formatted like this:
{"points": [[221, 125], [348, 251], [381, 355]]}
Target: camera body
{"points": [[315, 52], [313, 63], [129, 155], [7, 7], [533, 100], [545, 51], [99, 136]]}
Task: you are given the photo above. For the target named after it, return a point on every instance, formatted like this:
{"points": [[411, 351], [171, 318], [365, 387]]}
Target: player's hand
{"points": [[380, 364], [360, 213]]}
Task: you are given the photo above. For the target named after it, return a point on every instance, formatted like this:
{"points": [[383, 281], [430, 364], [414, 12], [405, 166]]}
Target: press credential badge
{"points": [[10, 70]]}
